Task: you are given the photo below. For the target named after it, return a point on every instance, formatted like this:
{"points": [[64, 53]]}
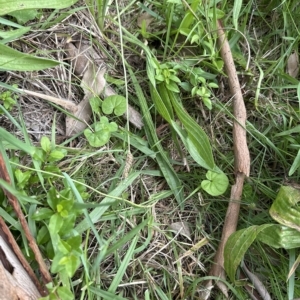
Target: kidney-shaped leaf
{"points": [[102, 133], [114, 103], [216, 184], [285, 209]]}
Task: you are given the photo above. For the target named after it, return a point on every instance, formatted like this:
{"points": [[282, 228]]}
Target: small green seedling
{"points": [[8, 99], [102, 133], [216, 183], [165, 73]]}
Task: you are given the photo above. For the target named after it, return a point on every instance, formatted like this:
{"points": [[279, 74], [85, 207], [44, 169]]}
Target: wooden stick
{"points": [[241, 157]]}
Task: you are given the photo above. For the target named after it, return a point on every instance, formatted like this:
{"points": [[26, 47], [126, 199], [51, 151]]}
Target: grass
{"points": [[126, 196]]}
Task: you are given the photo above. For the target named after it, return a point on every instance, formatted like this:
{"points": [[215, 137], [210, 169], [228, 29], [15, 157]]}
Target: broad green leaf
{"points": [[13, 60], [114, 103], [56, 155], [22, 177], [162, 102], [55, 224], [42, 214], [279, 236], [236, 247], [198, 140], [75, 242], [216, 184], [172, 86], [64, 247], [14, 5], [43, 235], [64, 293], [285, 209], [219, 13], [71, 263]]}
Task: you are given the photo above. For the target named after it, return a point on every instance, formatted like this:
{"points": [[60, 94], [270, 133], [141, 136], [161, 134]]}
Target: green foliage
{"points": [[14, 5], [13, 60], [56, 218], [8, 99], [216, 184], [25, 15], [284, 211], [114, 104], [102, 133], [103, 129], [167, 75]]}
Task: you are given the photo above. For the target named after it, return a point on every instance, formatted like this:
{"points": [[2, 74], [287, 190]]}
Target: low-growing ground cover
{"points": [[120, 148]]}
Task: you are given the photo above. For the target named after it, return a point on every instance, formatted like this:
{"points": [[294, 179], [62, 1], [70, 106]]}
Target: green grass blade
{"points": [[105, 295], [96, 214], [162, 159], [127, 237], [6, 136], [122, 268], [80, 200]]}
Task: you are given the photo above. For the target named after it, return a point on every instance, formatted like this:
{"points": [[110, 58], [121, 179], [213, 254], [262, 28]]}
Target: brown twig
{"points": [[241, 157], [46, 277]]}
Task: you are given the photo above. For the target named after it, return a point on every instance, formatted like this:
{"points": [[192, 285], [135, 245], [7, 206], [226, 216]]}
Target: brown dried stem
{"points": [[241, 156]]}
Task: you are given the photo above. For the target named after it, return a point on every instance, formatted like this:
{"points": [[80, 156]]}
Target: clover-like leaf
{"points": [[216, 184], [114, 103], [102, 132]]}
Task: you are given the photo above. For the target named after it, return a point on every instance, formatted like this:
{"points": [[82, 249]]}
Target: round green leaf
{"points": [[97, 139], [216, 184], [115, 103]]}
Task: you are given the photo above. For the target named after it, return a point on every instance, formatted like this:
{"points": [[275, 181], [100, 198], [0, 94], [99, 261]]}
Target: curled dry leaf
{"points": [[87, 63], [293, 65], [93, 83], [181, 228], [146, 19], [261, 289]]}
